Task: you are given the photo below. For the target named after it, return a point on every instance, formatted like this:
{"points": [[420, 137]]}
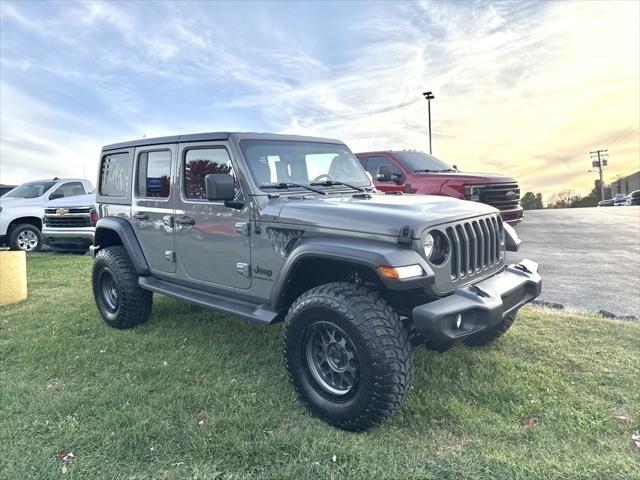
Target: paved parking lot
{"points": [[589, 257]]}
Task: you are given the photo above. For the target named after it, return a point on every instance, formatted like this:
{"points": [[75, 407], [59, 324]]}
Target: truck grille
{"points": [[67, 217], [68, 211], [474, 246], [503, 196], [66, 222]]}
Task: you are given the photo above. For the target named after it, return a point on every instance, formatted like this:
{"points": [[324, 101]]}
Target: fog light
{"points": [[458, 324]]}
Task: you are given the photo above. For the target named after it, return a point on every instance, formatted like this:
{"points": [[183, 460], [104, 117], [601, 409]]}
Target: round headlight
{"points": [[427, 244], [438, 247]]}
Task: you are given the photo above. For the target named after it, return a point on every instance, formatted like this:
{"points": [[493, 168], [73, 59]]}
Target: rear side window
{"points": [[154, 173], [114, 175], [200, 162]]}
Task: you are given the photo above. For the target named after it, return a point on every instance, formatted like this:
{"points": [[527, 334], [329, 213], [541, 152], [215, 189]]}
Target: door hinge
{"points": [[243, 269], [242, 228], [170, 255]]}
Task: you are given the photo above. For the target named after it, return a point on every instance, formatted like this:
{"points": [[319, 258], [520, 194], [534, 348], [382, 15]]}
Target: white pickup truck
{"points": [[69, 223], [22, 210]]}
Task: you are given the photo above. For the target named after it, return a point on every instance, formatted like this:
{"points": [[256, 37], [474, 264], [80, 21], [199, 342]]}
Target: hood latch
{"points": [[405, 236]]}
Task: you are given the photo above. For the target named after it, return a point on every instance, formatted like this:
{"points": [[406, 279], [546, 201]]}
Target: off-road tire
{"points": [[490, 334], [17, 230], [383, 350], [133, 304]]}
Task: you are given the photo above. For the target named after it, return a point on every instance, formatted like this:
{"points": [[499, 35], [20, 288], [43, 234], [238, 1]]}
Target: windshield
{"points": [[30, 190], [278, 162], [422, 162]]}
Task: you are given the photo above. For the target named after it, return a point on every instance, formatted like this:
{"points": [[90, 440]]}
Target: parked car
{"points": [[410, 171], [606, 203], [620, 200], [6, 189], [633, 198], [69, 223], [276, 227], [22, 208]]}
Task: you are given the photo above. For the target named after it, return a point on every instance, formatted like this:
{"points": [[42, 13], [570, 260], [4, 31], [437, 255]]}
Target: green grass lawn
{"points": [[193, 394]]}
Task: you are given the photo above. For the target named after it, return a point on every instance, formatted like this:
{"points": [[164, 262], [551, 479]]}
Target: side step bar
{"points": [[262, 314]]}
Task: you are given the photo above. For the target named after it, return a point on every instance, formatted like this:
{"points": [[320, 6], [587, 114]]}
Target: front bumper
{"points": [[68, 236], [479, 306], [512, 216]]}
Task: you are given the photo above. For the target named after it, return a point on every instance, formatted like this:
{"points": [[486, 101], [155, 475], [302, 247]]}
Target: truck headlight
{"points": [[472, 192], [436, 247], [427, 244]]}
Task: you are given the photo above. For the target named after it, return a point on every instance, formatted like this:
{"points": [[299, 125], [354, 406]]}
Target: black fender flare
{"points": [[123, 229], [366, 253]]}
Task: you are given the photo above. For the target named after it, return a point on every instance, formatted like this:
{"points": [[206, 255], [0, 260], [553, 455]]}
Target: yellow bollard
{"points": [[13, 277]]}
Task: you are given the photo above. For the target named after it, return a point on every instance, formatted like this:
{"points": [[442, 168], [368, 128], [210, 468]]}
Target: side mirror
{"points": [[397, 177], [219, 186], [384, 173], [55, 196]]}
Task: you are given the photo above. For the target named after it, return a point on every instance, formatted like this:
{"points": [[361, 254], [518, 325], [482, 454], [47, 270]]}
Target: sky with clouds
{"points": [[523, 88]]}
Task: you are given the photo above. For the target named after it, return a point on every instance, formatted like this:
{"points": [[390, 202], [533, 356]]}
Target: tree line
{"points": [[564, 199]]}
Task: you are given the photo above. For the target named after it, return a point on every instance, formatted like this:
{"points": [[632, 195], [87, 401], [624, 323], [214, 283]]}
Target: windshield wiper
{"points": [[292, 185], [330, 183]]}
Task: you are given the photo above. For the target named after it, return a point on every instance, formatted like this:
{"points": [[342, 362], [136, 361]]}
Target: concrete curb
{"points": [[604, 313]]}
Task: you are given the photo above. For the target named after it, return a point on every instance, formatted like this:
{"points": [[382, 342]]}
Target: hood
{"points": [[473, 178], [19, 202], [380, 215], [88, 200]]}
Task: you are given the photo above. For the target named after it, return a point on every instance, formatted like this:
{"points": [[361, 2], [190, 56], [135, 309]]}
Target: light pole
{"points": [[428, 97], [599, 159]]}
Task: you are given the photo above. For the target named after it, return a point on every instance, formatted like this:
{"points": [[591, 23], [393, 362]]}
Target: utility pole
{"points": [[599, 159], [428, 97]]}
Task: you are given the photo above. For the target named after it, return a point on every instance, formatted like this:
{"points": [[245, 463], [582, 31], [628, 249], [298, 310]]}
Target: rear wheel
{"points": [[348, 355], [25, 237], [121, 302]]}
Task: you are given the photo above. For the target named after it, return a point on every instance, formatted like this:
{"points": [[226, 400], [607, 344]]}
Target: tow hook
{"points": [[522, 268], [478, 291]]}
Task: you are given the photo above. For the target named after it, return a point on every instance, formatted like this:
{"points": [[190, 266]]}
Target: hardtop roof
{"points": [[213, 136]]}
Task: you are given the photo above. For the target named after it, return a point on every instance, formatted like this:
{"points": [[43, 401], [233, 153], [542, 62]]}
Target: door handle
{"points": [[185, 221], [141, 216]]}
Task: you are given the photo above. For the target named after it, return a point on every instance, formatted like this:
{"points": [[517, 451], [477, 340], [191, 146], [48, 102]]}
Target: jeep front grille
{"points": [[474, 246], [503, 196]]}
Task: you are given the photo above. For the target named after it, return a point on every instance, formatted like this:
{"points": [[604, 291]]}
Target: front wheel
{"points": [[348, 355], [25, 237]]}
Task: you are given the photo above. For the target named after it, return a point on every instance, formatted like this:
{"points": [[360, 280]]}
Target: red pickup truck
{"points": [[411, 171]]}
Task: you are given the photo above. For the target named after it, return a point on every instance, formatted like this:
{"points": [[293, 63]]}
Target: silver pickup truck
{"points": [[69, 223]]}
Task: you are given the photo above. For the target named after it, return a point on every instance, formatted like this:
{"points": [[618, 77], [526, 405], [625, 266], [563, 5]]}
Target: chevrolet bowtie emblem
{"points": [[62, 211]]}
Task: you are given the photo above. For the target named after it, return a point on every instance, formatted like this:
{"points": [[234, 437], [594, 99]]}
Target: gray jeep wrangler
{"points": [[277, 227]]}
